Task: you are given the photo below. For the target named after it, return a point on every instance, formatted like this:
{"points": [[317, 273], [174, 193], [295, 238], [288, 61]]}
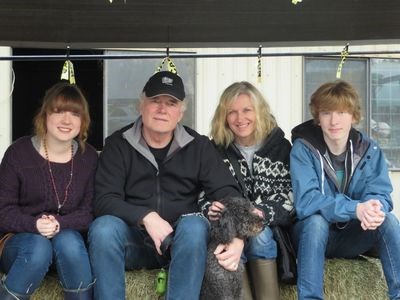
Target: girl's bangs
{"points": [[66, 104]]}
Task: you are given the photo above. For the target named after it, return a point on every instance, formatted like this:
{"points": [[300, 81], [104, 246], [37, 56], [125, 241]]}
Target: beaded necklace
{"points": [[59, 204]]}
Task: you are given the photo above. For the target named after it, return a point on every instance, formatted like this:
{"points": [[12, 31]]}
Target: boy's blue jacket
{"points": [[314, 182]]}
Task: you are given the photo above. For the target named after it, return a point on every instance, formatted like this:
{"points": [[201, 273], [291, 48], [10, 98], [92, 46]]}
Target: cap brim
{"points": [[165, 94]]}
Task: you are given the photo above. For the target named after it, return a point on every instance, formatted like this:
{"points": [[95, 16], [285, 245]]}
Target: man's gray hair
{"points": [[143, 97]]}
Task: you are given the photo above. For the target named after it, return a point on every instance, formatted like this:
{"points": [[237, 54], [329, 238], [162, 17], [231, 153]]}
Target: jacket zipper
{"points": [[158, 189]]}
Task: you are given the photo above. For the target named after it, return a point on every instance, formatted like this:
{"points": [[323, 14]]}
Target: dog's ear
{"points": [[251, 225], [248, 223], [224, 230]]}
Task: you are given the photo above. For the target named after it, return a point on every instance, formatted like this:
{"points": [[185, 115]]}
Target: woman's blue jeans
{"points": [[315, 239], [114, 247], [261, 246], [26, 259]]}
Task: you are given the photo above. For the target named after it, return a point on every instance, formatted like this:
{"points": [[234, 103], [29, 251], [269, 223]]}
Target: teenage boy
{"points": [[341, 192]]}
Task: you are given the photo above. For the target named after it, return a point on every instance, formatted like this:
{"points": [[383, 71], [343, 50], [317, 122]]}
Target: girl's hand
{"points": [[48, 226]]}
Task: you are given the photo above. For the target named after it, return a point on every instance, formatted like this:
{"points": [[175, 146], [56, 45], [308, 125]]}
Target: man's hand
{"points": [[48, 226], [228, 256], [370, 214], [214, 211], [157, 228]]}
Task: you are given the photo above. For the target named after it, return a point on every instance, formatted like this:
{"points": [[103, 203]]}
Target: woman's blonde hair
{"points": [[265, 121], [336, 95], [63, 96]]}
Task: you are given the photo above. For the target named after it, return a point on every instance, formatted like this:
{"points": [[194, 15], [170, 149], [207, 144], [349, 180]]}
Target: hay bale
{"points": [[344, 279], [358, 279], [355, 279], [50, 289], [140, 284]]}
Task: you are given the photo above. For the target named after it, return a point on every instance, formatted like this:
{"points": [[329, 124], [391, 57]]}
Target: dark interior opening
{"points": [[33, 78]]}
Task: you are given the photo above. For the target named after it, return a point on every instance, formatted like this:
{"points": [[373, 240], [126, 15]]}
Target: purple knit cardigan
{"points": [[26, 190]]}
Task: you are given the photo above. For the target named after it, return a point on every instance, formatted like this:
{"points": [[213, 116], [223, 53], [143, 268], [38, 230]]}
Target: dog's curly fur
{"points": [[236, 220]]}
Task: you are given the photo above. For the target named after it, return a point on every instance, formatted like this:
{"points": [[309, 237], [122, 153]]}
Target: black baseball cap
{"points": [[165, 83]]}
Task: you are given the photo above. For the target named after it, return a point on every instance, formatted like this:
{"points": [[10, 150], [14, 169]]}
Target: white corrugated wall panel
{"points": [[6, 86], [281, 84]]}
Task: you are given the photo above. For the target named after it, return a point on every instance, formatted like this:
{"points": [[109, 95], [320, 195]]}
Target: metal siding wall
{"points": [[213, 76], [5, 100], [281, 84]]}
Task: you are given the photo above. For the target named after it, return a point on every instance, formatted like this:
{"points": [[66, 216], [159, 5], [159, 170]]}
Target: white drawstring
{"points": [[352, 158], [322, 173]]}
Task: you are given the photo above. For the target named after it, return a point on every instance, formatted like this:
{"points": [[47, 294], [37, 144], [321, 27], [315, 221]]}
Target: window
{"points": [[321, 70], [124, 80], [385, 107], [378, 84]]}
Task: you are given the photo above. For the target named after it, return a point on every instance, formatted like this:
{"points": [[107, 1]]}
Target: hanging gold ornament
{"points": [[67, 72], [343, 56], [171, 67]]}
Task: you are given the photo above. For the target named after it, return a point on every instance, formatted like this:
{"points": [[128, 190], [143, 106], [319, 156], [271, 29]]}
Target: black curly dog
{"points": [[236, 220]]}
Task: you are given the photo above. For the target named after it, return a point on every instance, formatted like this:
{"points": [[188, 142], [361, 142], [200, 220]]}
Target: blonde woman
{"points": [[257, 154]]}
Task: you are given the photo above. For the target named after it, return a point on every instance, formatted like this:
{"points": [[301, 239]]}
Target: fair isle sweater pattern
{"points": [[269, 188]]}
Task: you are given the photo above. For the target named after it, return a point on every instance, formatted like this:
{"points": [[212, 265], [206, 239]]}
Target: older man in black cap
{"points": [[148, 180]]}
